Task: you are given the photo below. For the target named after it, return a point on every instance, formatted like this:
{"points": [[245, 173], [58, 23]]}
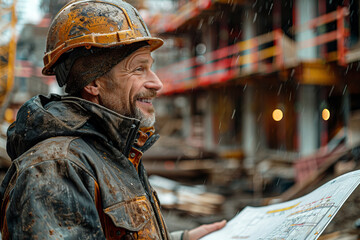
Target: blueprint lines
{"points": [[302, 218]]}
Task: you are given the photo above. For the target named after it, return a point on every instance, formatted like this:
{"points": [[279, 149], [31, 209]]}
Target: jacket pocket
{"points": [[132, 215]]}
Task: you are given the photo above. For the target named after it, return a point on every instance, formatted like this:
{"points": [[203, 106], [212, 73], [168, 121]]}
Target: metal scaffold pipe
{"points": [[7, 52]]}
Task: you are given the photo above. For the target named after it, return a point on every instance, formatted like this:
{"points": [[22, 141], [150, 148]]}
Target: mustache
{"points": [[148, 94]]}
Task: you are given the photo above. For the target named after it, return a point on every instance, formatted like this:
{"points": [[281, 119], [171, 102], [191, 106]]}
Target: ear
{"points": [[91, 92], [92, 88]]}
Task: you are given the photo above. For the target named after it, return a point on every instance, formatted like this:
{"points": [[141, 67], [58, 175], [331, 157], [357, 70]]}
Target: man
{"points": [[76, 171]]}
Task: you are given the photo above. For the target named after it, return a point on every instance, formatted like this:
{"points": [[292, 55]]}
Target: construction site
{"points": [[260, 104]]}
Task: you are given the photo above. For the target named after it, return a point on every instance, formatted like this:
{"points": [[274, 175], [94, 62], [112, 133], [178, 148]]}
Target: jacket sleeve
{"points": [[180, 235], [52, 200]]}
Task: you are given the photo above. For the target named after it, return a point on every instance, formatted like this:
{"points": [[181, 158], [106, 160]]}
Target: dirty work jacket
{"points": [[71, 177]]}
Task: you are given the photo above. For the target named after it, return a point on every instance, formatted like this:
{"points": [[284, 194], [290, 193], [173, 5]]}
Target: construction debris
{"points": [[338, 162], [191, 199]]}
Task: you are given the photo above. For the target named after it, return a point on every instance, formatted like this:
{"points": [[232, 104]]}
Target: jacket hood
{"points": [[44, 117]]}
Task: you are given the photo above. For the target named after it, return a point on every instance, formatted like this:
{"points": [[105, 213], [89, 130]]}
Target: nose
{"points": [[153, 82]]}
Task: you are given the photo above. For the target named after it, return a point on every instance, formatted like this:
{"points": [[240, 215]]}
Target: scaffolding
{"points": [[264, 54], [7, 52]]}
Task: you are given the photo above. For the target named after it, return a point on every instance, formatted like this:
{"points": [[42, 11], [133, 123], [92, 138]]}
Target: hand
{"points": [[205, 229]]}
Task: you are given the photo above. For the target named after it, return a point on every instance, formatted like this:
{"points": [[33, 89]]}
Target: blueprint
{"points": [[302, 218]]}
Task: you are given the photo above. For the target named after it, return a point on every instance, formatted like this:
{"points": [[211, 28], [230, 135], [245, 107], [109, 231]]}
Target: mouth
{"points": [[145, 100]]}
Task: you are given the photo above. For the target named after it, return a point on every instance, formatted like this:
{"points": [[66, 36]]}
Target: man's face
{"points": [[130, 87]]}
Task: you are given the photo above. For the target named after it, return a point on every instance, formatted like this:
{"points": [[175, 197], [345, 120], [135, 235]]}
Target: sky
{"points": [[30, 11]]}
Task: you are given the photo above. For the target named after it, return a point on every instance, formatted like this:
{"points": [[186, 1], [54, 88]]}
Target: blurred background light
{"points": [[325, 114], [277, 115]]}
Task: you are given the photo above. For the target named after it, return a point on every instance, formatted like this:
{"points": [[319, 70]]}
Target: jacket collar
{"points": [[122, 131]]}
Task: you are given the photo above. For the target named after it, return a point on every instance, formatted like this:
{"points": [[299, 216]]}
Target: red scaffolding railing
{"points": [[266, 53]]}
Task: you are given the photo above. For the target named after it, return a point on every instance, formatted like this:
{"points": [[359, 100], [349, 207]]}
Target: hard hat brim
{"points": [[53, 56]]}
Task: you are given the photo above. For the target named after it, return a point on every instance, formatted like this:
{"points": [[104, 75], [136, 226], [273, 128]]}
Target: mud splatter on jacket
{"points": [[71, 177]]}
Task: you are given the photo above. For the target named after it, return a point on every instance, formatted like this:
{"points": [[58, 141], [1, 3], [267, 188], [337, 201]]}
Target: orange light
{"points": [[325, 114], [277, 115]]}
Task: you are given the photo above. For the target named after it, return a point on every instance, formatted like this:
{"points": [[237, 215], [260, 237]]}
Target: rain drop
{"points": [[344, 91], [254, 4], [255, 16], [292, 73], [233, 114], [279, 91], [200, 23], [271, 6]]}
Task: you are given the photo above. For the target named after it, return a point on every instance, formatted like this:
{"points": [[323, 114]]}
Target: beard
{"points": [[145, 120], [132, 111]]}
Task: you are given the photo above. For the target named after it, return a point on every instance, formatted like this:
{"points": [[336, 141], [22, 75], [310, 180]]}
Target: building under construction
{"points": [[262, 79]]}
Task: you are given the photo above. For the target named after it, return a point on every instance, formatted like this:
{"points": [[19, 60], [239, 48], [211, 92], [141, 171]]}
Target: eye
{"points": [[139, 69]]}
